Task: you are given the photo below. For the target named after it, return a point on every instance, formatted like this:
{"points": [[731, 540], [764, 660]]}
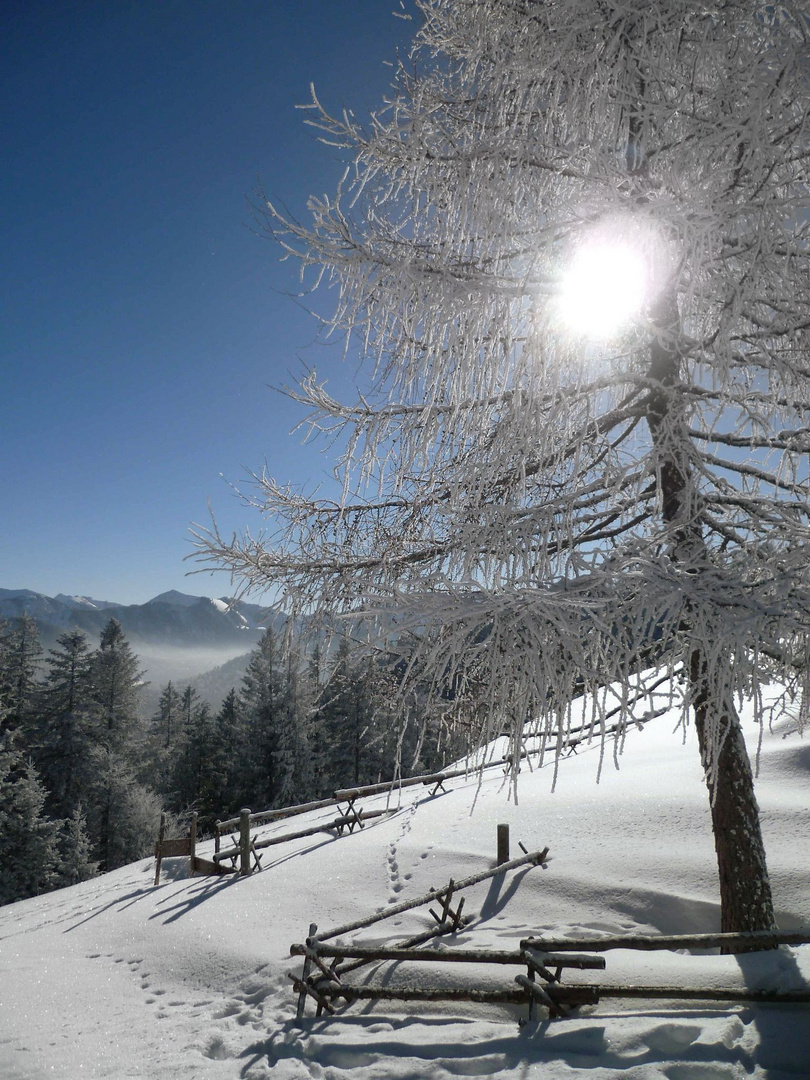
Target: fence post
{"points": [[503, 844], [192, 844], [244, 842], [158, 847]]}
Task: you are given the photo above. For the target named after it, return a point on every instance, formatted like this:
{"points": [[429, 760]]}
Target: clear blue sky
{"points": [[142, 317]]}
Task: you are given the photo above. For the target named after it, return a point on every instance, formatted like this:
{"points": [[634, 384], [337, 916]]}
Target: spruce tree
{"points": [[68, 724], [261, 699], [76, 863], [192, 761], [124, 814], [29, 839], [163, 740], [166, 722], [357, 720], [21, 655], [227, 754], [116, 682]]}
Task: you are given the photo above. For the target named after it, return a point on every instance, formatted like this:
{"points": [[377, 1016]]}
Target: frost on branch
{"points": [[528, 511]]}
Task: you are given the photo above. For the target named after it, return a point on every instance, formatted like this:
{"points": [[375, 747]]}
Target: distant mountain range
{"points": [[172, 618], [177, 636]]}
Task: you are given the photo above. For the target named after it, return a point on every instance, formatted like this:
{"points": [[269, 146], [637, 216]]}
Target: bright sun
{"points": [[603, 289]]}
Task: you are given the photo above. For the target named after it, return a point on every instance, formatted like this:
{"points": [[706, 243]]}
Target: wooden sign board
{"points": [[168, 848]]}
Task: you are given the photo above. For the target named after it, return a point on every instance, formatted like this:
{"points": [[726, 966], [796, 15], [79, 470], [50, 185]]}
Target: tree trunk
{"points": [[745, 891]]}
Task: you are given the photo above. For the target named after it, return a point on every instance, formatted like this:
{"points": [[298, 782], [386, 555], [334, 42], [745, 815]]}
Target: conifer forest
{"points": [[85, 774]]}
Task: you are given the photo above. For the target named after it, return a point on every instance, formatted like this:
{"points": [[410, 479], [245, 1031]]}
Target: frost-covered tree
{"points": [[123, 814], [29, 852], [272, 759], [166, 721], [117, 679], [192, 763], [76, 863], [355, 725], [573, 248], [67, 725], [227, 752], [20, 655]]}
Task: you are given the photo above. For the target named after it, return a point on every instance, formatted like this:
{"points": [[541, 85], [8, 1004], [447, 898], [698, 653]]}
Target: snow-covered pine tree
{"points": [[76, 862], [262, 703], [275, 765], [19, 665], [192, 765], [166, 721], [68, 724], [29, 851], [358, 727], [226, 755], [573, 247], [116, 681], [123, 814]]}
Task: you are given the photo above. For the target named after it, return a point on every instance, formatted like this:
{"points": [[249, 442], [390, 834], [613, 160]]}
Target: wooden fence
{"points": [[447, 921], [244, 849], [545, 960]]}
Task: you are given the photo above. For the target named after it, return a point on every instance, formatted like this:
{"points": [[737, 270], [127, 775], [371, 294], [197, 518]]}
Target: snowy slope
{"points": [[115, 978]]}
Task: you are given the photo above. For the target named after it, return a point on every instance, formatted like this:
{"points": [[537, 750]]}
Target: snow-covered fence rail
{"points": [[349, 795], [726, 943], [729, 943], [248, 847]]}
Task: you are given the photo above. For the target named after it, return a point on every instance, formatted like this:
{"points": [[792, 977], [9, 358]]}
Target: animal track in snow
{"points": [[396, 881]]}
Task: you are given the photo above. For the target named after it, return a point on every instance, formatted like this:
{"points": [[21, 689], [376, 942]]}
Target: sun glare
{"points": [[603, 290]]}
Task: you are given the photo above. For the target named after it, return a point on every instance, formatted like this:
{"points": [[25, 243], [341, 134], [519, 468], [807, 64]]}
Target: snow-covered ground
{"points": [[116, 978]]}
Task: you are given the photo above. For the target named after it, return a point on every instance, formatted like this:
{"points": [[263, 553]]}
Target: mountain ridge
{"points": [[172, 618]]}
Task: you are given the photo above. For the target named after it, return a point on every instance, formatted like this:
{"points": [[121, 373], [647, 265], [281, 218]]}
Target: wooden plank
{"points": [[265, 816], [533, 964], [666, 941], [326, 826], [170, 848], [418, 993], [330, 973], [412, 942], [226, 853]]}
